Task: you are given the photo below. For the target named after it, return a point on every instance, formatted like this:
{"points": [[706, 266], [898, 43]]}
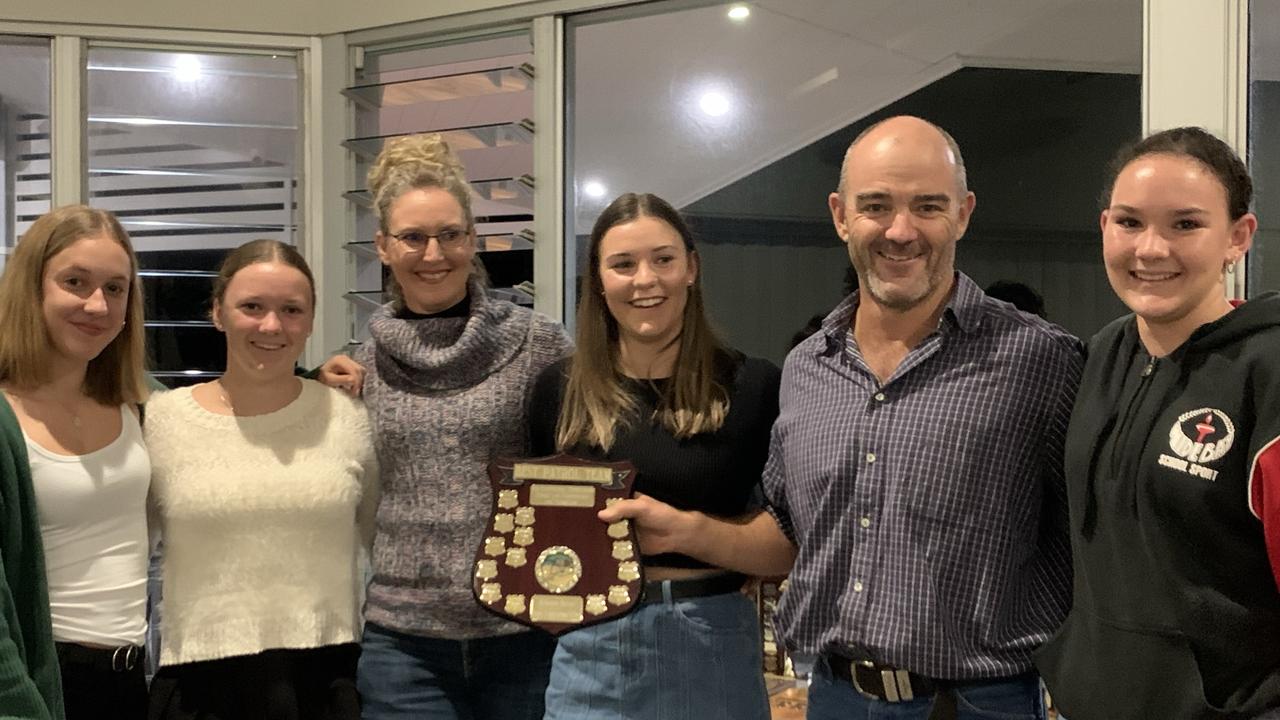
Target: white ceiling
{"points": [[795, 71]]}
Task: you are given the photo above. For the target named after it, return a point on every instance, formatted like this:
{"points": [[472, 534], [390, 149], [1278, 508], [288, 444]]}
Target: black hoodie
{"points": [[1176, 610]]}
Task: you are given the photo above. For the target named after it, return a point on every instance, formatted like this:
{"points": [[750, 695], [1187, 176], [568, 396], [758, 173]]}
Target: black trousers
{"points": [[103, 683], [311, 684]]}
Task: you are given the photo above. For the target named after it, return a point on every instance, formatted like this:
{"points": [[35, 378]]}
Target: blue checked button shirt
{"points": [[930, 511]]}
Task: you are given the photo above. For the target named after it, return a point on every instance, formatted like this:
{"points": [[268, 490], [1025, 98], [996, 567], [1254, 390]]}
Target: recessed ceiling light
{"points": [[714, 103], [739, 12], [187, 68], [594, 188]]}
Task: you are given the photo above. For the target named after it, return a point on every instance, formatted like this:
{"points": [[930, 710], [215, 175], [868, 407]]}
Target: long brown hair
{"points": [[117, 375], [596, 403]]}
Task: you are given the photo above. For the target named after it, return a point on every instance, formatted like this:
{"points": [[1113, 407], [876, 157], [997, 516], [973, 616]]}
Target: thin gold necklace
{"points": [[68, 409], [75, 416], [222, 395]]}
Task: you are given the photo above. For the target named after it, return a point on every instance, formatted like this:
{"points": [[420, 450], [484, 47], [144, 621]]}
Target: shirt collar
{"points": [[963, 310]]}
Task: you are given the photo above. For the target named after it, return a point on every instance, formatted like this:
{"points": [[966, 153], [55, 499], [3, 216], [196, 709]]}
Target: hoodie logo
{"points": [[1198, 438]]}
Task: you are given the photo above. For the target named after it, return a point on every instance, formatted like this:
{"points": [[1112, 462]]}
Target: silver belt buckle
{"points": [[897, 683], [124, 658]]}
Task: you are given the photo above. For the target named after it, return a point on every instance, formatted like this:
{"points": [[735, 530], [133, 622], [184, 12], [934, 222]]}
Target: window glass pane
{"points": [[197, 153], [24, 135], [1264, 146], [478, 94], [743, 124]]}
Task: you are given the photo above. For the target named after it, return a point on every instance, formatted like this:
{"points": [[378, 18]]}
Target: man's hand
{"points": [[342, 373], [752, 544], [660, 528]]}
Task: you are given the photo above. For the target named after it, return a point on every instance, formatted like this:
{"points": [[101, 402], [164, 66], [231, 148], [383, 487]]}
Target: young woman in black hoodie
{"points": [[1172, 459]]}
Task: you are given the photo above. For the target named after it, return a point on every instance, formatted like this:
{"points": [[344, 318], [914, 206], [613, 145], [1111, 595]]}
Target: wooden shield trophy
{"points": [[545, 559]]}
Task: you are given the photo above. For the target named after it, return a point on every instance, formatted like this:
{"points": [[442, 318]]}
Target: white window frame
{"points": [[1195, 71], [69, 47]]}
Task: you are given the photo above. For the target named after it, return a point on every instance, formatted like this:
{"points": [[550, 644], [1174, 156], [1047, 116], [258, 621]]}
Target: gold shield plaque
{"points": [[629, 570], [596, 604], [515, 604], [495, 545], [504, 522], [623, 550], [574, 570], [524, 516], [558, 568], [487, 569]]}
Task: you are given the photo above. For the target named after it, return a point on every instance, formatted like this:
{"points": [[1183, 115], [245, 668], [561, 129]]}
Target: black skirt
{"points": [[310, 684]]}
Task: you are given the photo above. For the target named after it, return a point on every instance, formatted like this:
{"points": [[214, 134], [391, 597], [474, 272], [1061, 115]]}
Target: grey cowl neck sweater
{"points": [[446, 353], [445, 396]]}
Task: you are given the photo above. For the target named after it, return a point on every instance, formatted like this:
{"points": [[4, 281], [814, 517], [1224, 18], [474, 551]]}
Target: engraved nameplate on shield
{"points": [[545, 559]]}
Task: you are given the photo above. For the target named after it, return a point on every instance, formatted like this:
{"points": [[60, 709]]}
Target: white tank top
{"points": [[93, 519]]}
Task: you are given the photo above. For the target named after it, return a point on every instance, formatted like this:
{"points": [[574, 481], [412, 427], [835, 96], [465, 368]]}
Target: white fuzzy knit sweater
{"points": [[262, 519]]}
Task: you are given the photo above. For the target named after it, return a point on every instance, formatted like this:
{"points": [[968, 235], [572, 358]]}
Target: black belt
{"points": [[694, 587], [883, 682], [117, 659]]}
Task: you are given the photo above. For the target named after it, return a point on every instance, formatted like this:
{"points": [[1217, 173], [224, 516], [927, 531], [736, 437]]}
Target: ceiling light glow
{"points": [[714, 103], [187, 68], [739, 12], [594, 188]]}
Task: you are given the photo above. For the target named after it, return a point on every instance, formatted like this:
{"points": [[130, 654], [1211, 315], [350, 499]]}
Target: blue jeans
{"points": [[419, 678], [1017, 698], [693, 659]]}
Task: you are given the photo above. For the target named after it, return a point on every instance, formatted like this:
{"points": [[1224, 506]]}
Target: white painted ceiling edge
{"points": [[288, 17], [800, 70]]}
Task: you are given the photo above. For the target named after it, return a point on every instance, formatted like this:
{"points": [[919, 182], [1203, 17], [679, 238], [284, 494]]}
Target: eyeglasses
{"points": [[449, 238]]}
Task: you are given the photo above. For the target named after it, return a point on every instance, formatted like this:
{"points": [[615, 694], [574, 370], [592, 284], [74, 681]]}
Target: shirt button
{"points": [[879, 397], [857, 586], [871, 457], [865, 522]]}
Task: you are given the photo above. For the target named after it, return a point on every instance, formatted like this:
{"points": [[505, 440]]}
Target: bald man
{"points": [[916, 463], [914, 472]]}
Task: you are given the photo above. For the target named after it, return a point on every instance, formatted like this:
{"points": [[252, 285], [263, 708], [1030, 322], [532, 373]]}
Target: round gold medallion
{"points": [[558, 569]]}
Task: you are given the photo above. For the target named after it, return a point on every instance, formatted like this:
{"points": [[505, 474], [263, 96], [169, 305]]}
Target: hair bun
{"points": [[410, 156]]}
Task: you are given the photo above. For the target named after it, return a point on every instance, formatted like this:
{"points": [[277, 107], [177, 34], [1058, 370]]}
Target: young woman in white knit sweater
{"points": [[71, 371], [449, 371], [265, 485]]}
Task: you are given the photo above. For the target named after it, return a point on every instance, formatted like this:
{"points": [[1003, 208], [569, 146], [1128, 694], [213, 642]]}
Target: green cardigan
{"points": [[30, 686]]}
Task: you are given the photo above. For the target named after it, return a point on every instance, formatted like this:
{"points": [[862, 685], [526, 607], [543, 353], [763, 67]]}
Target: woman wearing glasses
{"points": [[448, 376]]}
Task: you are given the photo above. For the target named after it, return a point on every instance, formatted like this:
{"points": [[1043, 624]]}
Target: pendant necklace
{"points": [[222, 395], [75, 416]]}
